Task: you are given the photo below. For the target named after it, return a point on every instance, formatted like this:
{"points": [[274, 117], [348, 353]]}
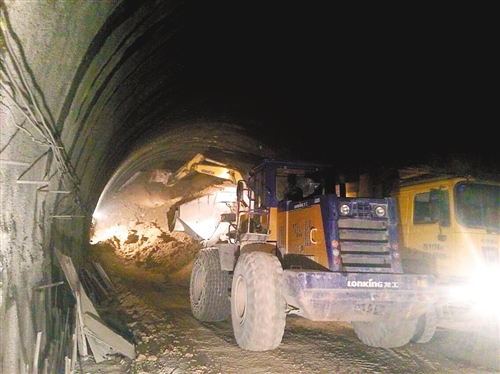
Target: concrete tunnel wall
{"points": [[43, 150], [78, 88]]}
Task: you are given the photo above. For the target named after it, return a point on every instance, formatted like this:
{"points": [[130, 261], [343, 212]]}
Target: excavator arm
{"points": [[201, 217], [201, 164]]}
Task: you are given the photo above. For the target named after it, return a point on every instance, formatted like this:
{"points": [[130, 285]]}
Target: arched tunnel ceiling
{"points": [[358, 86], [164, 83], [289, 76]]}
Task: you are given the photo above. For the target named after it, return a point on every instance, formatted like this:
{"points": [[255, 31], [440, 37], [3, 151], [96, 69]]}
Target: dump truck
{"points": [[319, 256], [450, 228]]}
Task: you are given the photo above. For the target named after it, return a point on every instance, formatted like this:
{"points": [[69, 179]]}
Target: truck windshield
{"points": [[478, 205]]}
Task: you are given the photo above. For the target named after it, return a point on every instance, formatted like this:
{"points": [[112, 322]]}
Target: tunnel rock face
{"points": [[92, 93]]}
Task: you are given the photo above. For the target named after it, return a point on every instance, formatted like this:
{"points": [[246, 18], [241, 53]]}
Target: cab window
{"points": [[431, 208]]}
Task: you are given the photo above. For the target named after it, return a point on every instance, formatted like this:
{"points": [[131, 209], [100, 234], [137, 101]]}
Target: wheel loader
{"points": [[320, 256]]}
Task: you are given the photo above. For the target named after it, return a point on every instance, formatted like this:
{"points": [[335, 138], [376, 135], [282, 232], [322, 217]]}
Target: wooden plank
{"points": [[74, 283], [48, 286], [33, 182], [96, 285], [102, 339], [74, 354], [67, 365], [82, 343], [104, 275], [96, 327], [44, 189], [66, 216], [40, 317], [37, 352], [45, 366], [99, 349], [18, 163]]}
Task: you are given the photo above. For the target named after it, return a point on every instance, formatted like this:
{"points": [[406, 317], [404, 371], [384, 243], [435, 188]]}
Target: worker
{"points": [[293, 192]]}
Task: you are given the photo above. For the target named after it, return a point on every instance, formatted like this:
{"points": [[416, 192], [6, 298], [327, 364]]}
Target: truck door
{"points": [[429, 228]]}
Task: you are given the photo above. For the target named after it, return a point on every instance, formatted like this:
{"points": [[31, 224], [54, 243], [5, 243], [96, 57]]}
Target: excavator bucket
{"points": [[201, 218]]}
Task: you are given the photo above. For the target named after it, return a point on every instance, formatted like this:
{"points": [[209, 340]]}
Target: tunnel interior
{"points": [[96, 93]]}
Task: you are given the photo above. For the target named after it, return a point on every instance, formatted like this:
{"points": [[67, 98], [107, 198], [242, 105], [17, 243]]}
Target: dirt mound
{"points": [[147, 248], [130, 235]]}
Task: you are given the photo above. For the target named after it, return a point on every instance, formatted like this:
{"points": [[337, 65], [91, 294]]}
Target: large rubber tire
{"points": [[209, 287], [426, 327], [386, 333], [257, 303]]}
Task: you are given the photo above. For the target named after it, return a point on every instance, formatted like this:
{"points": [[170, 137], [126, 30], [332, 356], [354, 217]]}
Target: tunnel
{"points": [[94, 92]]}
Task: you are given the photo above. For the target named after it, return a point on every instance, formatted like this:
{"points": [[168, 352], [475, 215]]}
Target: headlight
{"points": [[345, 209], [379, 211], [481, 292]]}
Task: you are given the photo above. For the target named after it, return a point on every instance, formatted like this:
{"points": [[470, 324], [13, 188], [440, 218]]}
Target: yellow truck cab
{"points": [[450, 227]]}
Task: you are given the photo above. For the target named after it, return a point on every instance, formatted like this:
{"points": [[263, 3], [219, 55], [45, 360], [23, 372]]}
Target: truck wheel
{"points": [[209, 287], [387, 333], [257, 303], [426, 327]]}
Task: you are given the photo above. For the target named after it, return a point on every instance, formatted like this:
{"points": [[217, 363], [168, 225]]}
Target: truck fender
{"points": [[258, 247]]}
